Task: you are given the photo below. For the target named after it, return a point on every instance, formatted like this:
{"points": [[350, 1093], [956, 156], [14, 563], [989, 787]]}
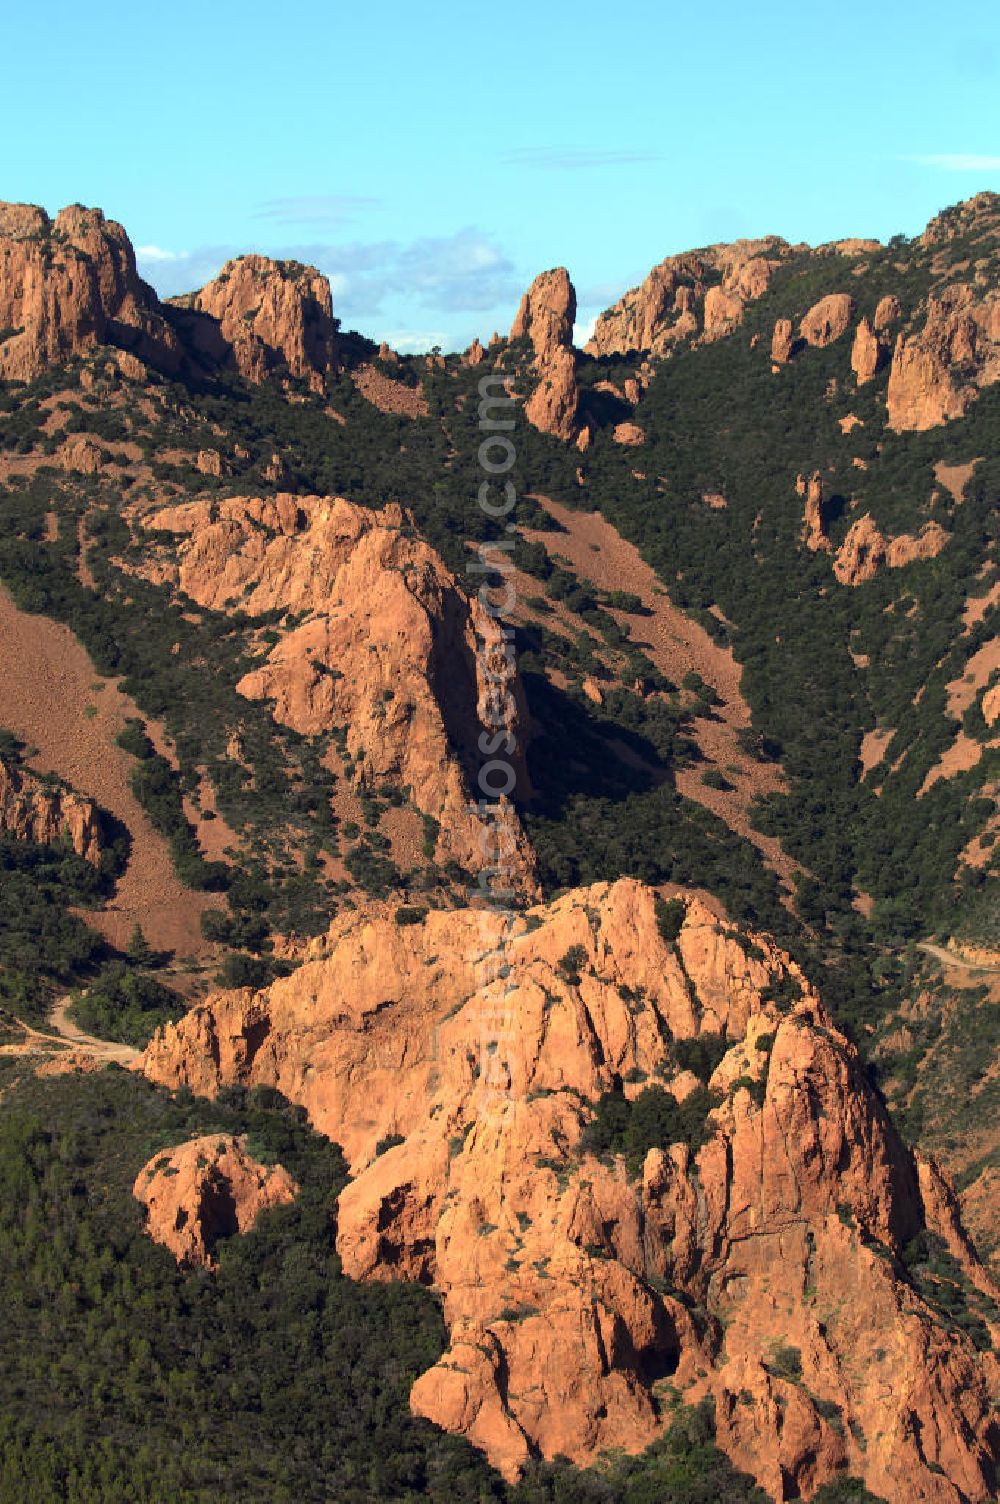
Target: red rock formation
{"points": [[723, 313], [663, 309], [991, 705], [629, 434], [887, 313], [827, 320], [814, 522], [865, 551], [867, 353], [782, 342], [937, 373], [33, 810], [391, 648], [265, 314], [552, 406], [206, 1190], [545, 317], [571, 1285], [80, 455], [920, 393], [546, 314], [71, 284]]}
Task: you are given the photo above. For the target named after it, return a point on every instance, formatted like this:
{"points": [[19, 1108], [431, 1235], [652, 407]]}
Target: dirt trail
{"points": [[677, 645], [52, 697], [952, 959], [65, 1033]]}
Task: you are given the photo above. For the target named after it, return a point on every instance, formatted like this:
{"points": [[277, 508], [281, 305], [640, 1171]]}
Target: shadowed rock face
{"points": [[70, 284], [204, 1191], [32, 810], [757, 1261], [390, 647]]}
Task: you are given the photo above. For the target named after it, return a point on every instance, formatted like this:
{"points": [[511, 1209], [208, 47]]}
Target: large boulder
{"points": [[204, 1191]]}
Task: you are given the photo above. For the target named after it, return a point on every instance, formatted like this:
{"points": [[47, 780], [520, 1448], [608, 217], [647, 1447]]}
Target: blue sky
{"points": [[431, 158]]}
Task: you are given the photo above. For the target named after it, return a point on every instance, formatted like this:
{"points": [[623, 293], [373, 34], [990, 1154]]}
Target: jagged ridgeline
{"points": [[758, 679]]}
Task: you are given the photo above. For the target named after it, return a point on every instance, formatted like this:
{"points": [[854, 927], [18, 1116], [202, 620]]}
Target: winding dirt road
{"points": [[65, 1035]]}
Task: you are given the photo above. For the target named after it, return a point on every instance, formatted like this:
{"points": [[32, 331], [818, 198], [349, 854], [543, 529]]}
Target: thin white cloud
{"points": [[583, 332], [157, 253], [412, 341], [316, 208], [577, 158], [959, 161]]}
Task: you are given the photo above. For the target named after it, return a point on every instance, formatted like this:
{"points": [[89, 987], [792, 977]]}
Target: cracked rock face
{"points": [[753, 1257]]}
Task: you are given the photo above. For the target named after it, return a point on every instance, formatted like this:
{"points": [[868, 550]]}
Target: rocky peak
{"points": [[265, 314], [547, 314], [720, 280], [71, 284], [972, 216], [546, 317], [867, 353]]}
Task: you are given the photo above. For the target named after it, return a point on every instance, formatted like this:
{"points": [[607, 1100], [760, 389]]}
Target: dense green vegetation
{"points": [[126, 1004], [43, 947], [652, 1120]]}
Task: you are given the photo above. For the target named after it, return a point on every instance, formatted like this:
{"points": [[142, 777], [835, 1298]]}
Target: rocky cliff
{"points": [[204, 1191], [262, 316], [380, 639], [34, 810], [700, 291], [751, 1242], [69, 284]]}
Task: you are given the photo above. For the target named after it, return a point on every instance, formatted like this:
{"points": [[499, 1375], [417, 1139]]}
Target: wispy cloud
{"points": [[577, 158], [958, 161], [316, 209]]}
